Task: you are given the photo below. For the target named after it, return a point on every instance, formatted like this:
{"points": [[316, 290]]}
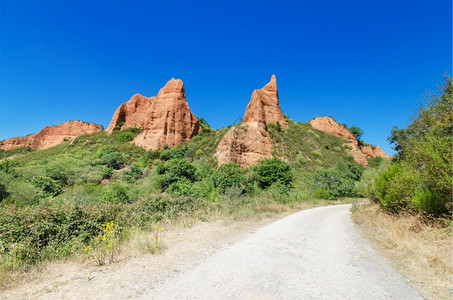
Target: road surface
{"points": [[312, 254]]}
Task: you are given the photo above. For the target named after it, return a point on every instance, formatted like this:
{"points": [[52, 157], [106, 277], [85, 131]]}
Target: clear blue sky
{"points": [[363, 62]]}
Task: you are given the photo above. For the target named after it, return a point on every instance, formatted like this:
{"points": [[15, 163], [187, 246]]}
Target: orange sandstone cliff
{"points": [[166, 119], [52, 135], [249, 142], [360, 153]]}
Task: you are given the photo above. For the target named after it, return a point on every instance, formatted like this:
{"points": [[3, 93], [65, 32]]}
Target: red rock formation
{"points": [[52, 135], [372, 151], [245, 145], [166, 119], [248, 143], [329, 125], [264, 105], [360, 153]]}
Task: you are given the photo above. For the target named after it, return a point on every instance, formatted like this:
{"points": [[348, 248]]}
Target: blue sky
{"points": [[363, 62]]}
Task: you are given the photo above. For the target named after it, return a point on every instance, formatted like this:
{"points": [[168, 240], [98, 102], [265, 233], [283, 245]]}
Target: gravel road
{"points": [[312, 254]]}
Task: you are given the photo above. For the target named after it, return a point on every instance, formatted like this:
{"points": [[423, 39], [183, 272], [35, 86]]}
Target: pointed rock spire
{"points": [[264, 106], [248, 143]]}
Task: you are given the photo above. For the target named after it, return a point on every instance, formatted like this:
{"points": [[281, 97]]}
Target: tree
{"points": [[356, 131]]}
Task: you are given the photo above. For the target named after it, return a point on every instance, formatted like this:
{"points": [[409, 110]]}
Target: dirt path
{"points": [[312, 254], [132, 276]]}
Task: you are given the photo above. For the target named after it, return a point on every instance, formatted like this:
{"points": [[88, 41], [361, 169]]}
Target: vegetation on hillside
{"points": [[420, 178], [56, 202]]}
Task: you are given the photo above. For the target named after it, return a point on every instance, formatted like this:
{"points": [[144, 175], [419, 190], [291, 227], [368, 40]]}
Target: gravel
{"points": [[312, 254]]}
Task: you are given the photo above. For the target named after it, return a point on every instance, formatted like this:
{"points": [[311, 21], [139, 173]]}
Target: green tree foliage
{"points": [[339, 181], [273, 171], [356, 131], [422, 177]]}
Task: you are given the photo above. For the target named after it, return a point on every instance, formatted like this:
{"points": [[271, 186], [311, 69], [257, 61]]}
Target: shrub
{"points": [[339, 181], [270, 171], [116, 193], [107, 173], [175, 170], [228, 175], [430, 202], [8, 166], [107, 149], [114, 160], [321, 194], [133, 174], [3, 192], [120, 125], [124, 137], [48, 185], [57, 173], [181, 187]]}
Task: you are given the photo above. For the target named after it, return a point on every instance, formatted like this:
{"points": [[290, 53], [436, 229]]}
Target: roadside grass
{"points": [[421, 249], [143, 237]]}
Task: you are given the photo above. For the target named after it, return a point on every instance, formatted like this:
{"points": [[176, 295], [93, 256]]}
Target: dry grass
{"points": [[422, 251], [138, 242]]}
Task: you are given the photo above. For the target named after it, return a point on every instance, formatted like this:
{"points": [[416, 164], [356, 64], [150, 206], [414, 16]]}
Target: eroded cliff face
{"points": [[360, 153], [249, 142], [52, 135], [166, 119]]}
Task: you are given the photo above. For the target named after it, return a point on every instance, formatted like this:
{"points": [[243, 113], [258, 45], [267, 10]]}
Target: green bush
{"points": [[228, 175], [107, 173], [8, 166], [57, 173], [181, 187], [321, 194], [175, 170], [124, 137], [339, 181], [430, 202], [270, 171], [114, 160], [422, 176], [49, 186], [116, 193], [3, 192]]}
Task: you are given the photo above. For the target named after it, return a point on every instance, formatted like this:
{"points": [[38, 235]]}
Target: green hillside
{"points": [[56, 201]]}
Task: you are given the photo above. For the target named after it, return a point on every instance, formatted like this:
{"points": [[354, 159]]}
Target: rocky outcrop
{"points": [[245, 145], [264, 106], [166, 119], [359, 152], [372, 151], [52, 135], [329, 125], [249, 142]]}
